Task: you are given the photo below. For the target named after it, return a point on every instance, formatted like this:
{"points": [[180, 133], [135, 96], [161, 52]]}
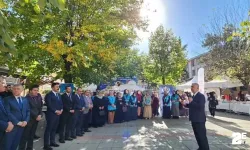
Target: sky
{"points": [[188, 19]]}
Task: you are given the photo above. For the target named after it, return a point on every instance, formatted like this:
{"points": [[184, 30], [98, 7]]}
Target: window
{"points": [[193, 72], [192, 62]]}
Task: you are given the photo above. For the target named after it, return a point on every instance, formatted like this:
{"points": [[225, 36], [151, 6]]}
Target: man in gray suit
{"points": [[87, 111]]}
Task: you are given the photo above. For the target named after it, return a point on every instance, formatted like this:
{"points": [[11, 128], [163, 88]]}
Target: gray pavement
{"points": [[159, 134]]}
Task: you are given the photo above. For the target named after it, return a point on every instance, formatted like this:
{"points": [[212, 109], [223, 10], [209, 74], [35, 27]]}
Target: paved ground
{"points": [[158, 134]]}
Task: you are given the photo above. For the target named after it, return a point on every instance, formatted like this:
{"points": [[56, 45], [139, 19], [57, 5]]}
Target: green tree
{"points": [[228, 55], [167, 58], [87, 36]]}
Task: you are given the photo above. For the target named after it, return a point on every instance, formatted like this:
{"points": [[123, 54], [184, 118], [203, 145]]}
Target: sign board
{"points": [[163, 88], [201, 81], [63, 86]]}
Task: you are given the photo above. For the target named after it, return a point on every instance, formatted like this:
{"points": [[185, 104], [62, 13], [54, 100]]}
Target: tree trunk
{"points": [[163, 80], [67, 66]]}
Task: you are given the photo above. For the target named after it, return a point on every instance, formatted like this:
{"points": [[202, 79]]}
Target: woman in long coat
{"points": [[133, 106], [139, 103], [98, 111], [119, 114], [175, 105], [126, 108], [166, 106], [147, 101], [155, 105]]}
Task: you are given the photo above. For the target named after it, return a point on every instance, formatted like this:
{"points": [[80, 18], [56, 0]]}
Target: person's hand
{"points": [[58, 112], [20, 124], [100, 107], [72, 111], [190, 99], [83, 108], [24, 124], [38, 118], [10, 127]]}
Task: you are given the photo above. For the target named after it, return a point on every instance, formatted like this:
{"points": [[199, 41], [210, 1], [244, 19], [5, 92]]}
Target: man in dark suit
{"points": [[197, 117], [66, 118], [54, 110], [18, 111], [5, 125], [79, 108], [36, 104]]}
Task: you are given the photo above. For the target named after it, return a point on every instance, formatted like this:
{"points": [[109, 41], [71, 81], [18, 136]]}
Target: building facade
{"points": [[194, 64]]}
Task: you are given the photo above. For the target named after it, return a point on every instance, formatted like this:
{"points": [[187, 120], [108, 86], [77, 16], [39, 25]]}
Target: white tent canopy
{"points": [[187, 85], [223, 84], [211, 84]]}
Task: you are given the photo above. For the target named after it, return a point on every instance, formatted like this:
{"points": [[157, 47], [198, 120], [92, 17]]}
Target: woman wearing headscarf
{"points": [[147, 101], [126, 108], [98, 111], [155, 105], [111, 107], [133, 106], [119, 114], [139, 103], [175, 105], [212, 104], [166, 105]]}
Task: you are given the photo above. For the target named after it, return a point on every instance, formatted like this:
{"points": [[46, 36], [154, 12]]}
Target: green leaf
{"points": [[61, 4], [230, 38], [42, 4], [37, 9], [1, 20], [54, 3]]}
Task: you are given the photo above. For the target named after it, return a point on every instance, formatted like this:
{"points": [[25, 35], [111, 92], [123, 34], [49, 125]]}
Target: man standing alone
{"points": [[197, 117]]}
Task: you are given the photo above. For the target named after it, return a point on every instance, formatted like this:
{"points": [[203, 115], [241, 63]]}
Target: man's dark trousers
{"points": [[200, 135], [28, 135], [50, 131], [65, 125], [79, 123]]}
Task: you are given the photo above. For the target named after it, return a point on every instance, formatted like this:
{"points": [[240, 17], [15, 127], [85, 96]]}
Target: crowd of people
{"points": [[73, 113]]}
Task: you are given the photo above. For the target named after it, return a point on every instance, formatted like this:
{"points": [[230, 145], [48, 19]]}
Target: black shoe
{"points": [[83, 133], [73, 137], [61, 141], [54, 145], [68, 139], [80, 135], [36, 137], [47, 148], [87, 130]]}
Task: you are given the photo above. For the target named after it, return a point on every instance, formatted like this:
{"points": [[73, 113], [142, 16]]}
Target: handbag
{"points": [[102, 113], [124, 108]]}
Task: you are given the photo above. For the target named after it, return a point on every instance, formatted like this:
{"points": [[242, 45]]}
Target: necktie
{"points": [[70, 97], [20, 103], [57, 96]]}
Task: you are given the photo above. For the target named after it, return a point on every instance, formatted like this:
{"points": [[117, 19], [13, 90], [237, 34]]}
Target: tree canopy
{"points": [[81, 43], [167, 57], [228, 57]]}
